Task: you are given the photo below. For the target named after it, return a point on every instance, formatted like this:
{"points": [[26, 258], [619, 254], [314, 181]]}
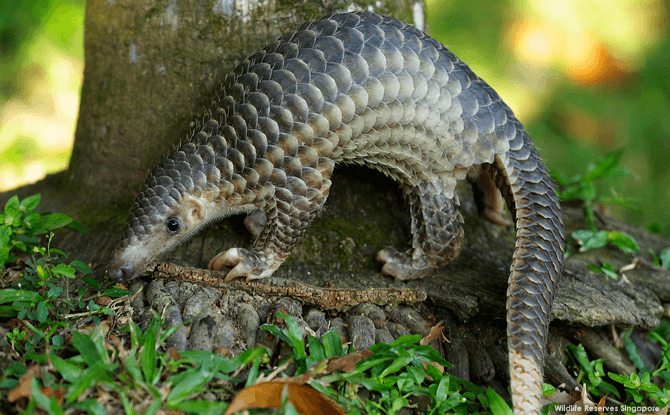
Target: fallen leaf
{"points": [[435, 334], [305, 399], [601, 405], [583, 405], [346, 363], [23, 389]]}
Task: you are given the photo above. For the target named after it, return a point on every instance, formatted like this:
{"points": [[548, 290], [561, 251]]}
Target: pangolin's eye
{"points": [[172, 225]]}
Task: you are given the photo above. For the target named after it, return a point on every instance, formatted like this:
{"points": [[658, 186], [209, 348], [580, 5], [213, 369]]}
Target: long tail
{"points": [[536, 267]]}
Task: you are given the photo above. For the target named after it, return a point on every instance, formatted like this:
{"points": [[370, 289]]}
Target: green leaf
{"points": [[587, 192], [332, 343], [4, 255], [633, 352], [547, 389], [148, 358], [253, 373], [92, 283], [646, 385], [10, 295], [99, 371], [591, 239], [42, 311], [406, 340], [69, 371], [582, 358], [429, 354], [632, 381], [30, 203], [57, 340], [5, 234], [624, 242], [316, 351], [201, 407], [372, 361], [606, 387], [81, 267], [434, 373], [77, 227], [91, 406], [498, 404], [442, 391], [295, 336], [116, 292], [606, 269], [665, 259], [189, 384], [133, 368], [55, 292], [89, 352], [64, 270], [28, 239], [604, 166], [20, 246], [12, 206], [400, 362], [52, 221], [54, 251], [370, 384]]}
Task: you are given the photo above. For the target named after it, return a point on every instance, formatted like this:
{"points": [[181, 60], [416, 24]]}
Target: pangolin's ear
{"points": [[194, 209]]}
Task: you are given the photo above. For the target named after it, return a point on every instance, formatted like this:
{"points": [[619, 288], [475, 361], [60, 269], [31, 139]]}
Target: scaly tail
{"points": [[537, 264]]}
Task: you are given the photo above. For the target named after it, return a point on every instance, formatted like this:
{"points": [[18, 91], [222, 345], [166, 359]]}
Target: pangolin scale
{"points": [[365, 89]]}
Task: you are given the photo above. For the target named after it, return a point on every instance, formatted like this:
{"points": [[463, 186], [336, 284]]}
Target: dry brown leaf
{"points": [[305, 399], [50, 392], [103, 300], [23, 389], [601, 405], [582, 406], [173, 353], [563, 397], [346, 363], [435, 334], [343, 363]]}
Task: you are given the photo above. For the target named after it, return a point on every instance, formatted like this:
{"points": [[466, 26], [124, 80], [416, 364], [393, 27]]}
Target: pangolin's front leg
{"points": [[282, 222]]}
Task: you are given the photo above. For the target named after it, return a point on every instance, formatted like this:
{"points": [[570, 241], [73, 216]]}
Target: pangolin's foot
{"points": [[246, 263], [404, 266]]}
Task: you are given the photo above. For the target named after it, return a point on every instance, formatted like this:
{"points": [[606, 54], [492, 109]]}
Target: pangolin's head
{"points": [[185, 192]]}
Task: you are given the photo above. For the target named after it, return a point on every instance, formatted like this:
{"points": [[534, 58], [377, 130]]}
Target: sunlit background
{"points": [[586, 77]]}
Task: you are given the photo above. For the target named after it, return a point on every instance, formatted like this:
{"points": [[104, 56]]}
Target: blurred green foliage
{"points": [[573, 123], [21, 22], [578, 123]]}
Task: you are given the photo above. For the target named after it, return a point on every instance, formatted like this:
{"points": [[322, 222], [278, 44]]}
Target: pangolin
{"points": [[364, 89]]}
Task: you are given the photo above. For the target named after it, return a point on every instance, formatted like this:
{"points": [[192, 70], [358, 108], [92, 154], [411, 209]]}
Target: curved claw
{"points": [[402, 266], [245, 263]]}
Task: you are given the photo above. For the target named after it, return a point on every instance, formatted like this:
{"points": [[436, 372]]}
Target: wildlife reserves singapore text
{"points": [[607, 409]]}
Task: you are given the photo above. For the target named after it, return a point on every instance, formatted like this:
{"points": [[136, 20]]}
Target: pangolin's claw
{"points": [[246, 263], [404, 266]]}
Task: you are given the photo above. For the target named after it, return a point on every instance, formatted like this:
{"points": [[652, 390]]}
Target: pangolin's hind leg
{"points": [[279, 224], [490, 202], [437, 233]]}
